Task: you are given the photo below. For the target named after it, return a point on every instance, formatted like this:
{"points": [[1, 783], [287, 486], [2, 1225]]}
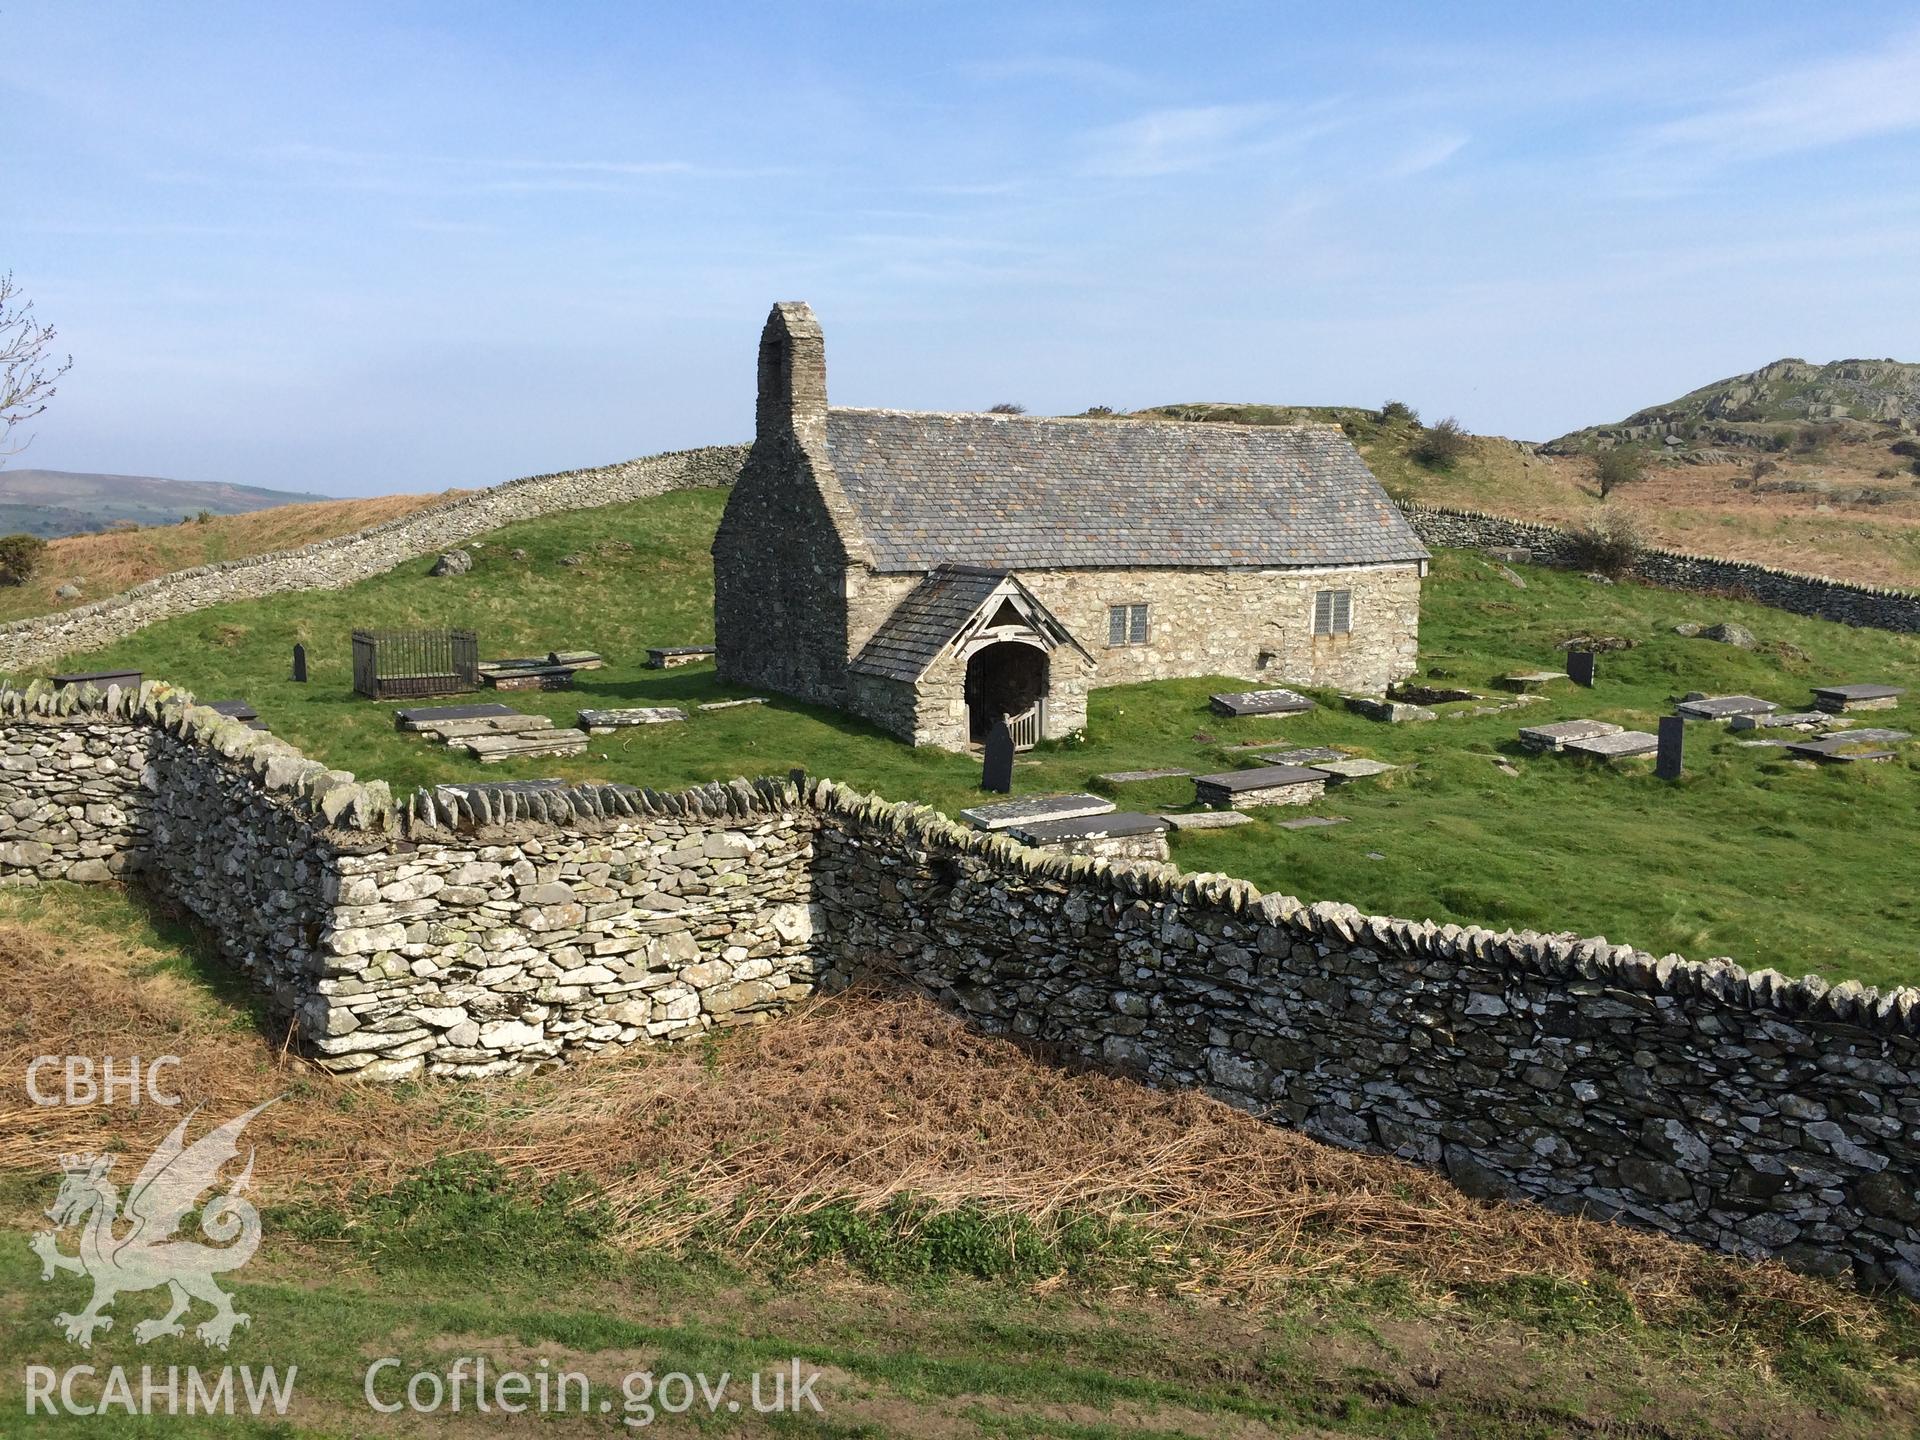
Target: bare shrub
{"points": [[1440, 446], [1609, 544], [1007, 407]]}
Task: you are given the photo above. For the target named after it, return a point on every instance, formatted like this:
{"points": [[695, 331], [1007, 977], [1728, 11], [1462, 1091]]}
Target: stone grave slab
{"points": [[1622, 745], [1310, 822], [1311, 756], [605, 722], [1531, 680], [525, 675], [1353, 767], [1872, 735], [1724, 707], [1120, 835], [1391, 711], [1262, 785], [734, 704], [1839, 749], [1561, 733], [1787, 720], [1260, 702], [492, 749], [1209, 820], [668, 657], [1005, 814], [1840, 698], [240, 710], [455, 731], [430, 714], [1136, 777]]}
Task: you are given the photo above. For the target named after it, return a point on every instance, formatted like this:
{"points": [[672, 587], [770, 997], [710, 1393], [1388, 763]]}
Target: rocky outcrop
{"points": [[1746, 412], [346, 559]]}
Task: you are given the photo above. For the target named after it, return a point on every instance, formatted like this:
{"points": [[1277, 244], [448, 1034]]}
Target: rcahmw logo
{"points": [[147, 1255]]}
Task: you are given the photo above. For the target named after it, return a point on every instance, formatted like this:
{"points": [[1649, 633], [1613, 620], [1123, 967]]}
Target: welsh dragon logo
{"points": [[147, 1255]]}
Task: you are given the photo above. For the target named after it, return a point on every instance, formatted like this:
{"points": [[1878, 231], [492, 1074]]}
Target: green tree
{"points": [[1440, 446], [19, 554], [1616, 466]]}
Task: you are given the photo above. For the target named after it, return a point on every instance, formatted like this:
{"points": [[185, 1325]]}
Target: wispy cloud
{"points": [[1424, 155], [1059, 69], [1809, 107], [1170, 141]]}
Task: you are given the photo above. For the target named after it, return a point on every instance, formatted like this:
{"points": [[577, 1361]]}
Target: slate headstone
{"points": [[1580, 667], [300, 664], [1673, 739], [996, 770]]}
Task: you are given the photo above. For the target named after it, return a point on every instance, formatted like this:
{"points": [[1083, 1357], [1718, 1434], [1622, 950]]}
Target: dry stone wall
{"points": [[1865, 605], [347, 559], [479, 930], [1746, 1112]]}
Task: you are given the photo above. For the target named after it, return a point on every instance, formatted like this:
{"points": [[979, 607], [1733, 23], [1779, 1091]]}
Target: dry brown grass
{"points": [[107, 563], [864, 1097]]}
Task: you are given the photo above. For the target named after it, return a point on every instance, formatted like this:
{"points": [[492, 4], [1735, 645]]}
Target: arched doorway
{"points": [[1007, 679]]}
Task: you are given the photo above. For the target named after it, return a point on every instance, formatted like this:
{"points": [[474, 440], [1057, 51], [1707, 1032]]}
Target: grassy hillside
{"points": [[103, 565], [1831, 498], [69, 502], [963, 1240], [1751, 856]]}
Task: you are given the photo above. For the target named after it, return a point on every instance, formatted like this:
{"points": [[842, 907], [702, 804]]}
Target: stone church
{"points": [[935, 572]]}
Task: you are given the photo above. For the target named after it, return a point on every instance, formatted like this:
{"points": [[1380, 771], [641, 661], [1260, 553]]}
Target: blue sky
{"points": [[361, 249]]}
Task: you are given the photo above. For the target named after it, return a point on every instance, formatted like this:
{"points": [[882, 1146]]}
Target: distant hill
{"points": [[50, 503], [1846, 401]]}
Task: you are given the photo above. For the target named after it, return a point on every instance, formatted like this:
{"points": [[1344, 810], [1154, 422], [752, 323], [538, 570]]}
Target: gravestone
{"points": [[300, 664], [1673, 740], [996, 768], [1580, 668]]}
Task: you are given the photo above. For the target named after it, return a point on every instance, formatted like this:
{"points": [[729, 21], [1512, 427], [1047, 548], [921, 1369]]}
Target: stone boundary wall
{"points": [[1865, 605], [462, 933], [473, 930], [1747, 1112], [346, 559]]}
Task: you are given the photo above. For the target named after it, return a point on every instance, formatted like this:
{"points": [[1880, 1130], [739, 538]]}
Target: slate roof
{"points": [[1017, 492], [932, 613]]}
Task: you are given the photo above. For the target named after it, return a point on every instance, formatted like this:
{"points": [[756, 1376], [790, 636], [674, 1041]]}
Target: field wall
{"points": [[480, 930], [347, 559], [1824, 599]]}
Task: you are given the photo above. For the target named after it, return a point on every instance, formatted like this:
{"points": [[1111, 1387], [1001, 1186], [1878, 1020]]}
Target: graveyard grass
{"points": [[1752, 856]]}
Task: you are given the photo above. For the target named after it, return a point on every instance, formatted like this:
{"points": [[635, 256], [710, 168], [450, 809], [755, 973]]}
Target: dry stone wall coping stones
{"points": [[1724, 707], [1005, 814], [1555, 736], [1260, 702], [1261, 785]]}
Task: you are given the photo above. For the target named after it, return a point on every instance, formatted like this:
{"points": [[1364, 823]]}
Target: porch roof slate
{"points": [[911, 638]]}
